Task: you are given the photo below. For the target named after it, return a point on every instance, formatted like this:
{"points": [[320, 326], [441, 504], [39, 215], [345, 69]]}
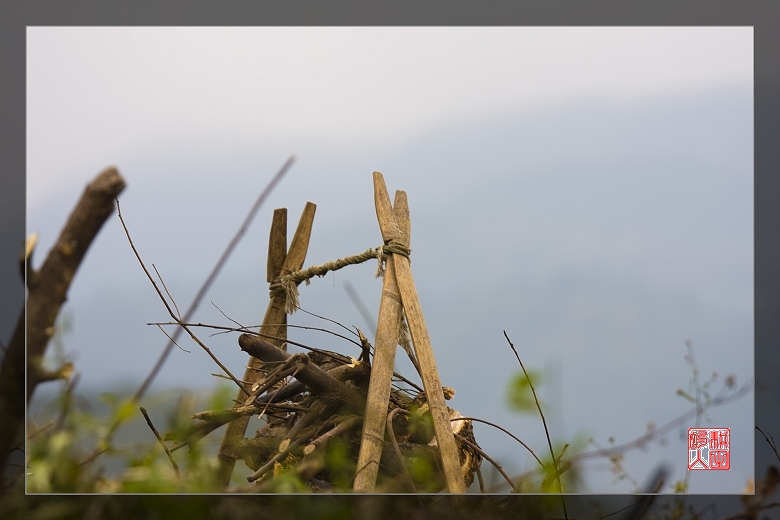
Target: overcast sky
{"points": [[588, 190]]}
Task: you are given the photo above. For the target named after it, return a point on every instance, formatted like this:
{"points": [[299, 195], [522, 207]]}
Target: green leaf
{"points": [[125, 410], [519, 394], [222, 397]]}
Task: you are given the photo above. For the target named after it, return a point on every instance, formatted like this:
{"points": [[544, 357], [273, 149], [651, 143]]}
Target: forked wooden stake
{"points": [[422, 343], [388, 329], [275, 317]]}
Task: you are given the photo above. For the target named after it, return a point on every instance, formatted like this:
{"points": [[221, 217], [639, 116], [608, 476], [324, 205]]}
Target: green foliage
{"points": [[285, 480], [420, 426], [545, 481], [222, 397], [288, 482], [52, 466], [519, 393], [67, 456], [340, 465], [424, 472]]}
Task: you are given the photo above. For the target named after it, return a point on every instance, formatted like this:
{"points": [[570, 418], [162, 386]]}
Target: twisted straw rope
{"points": [[287, 284]]}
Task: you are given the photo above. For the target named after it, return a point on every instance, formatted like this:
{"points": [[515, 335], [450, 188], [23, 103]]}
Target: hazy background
{"points": [[588, 190]]}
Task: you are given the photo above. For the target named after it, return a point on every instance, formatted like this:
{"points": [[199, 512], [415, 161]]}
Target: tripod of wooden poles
{"points": [[399, 296]]}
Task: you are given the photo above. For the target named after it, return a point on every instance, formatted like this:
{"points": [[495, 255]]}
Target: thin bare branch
{"points": [[651, 434], [36, 432], [771, 443], [213, 275], [697, 387], [94, 456], [162, 442], [225, 315], [644, 439], [174, 341], [201, 431], [168, 307], [345, 424], [615, 461], [223, 376], [304, 327], [248, 330], [391, 434], [503, 430], [488, 458], [324, 318], [402, 378], [289, 368], [67, 399], [167, 292], [357, 301], [544, 422], [481, 480]]}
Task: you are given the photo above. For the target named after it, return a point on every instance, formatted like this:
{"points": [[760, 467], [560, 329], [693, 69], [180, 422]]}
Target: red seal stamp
{"points": [[708, 448]]}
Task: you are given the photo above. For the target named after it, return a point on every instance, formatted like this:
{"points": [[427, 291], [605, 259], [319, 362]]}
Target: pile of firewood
{"points": [[313, 425]]}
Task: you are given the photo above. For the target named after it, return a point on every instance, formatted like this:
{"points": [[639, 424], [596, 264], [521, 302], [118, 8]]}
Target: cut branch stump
{"points": [[47, 290]]}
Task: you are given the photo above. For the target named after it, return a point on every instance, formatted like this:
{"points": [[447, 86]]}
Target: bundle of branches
{"points": [[313, 425]]}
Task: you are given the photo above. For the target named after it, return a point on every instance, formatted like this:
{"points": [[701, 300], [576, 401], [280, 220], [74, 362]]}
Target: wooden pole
{"points": [[422, 342], [388, 329], [275, 317]]}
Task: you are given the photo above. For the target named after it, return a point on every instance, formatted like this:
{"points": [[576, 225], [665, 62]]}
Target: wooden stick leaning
{"points": [[388, 329], [275, 316], [422, 342]]}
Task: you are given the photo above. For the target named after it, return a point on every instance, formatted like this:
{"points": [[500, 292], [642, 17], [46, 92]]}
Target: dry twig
{"points": [[213, 275], [503, 430], [162, 442], [168, 307], [391, 434], [544, 422]]}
